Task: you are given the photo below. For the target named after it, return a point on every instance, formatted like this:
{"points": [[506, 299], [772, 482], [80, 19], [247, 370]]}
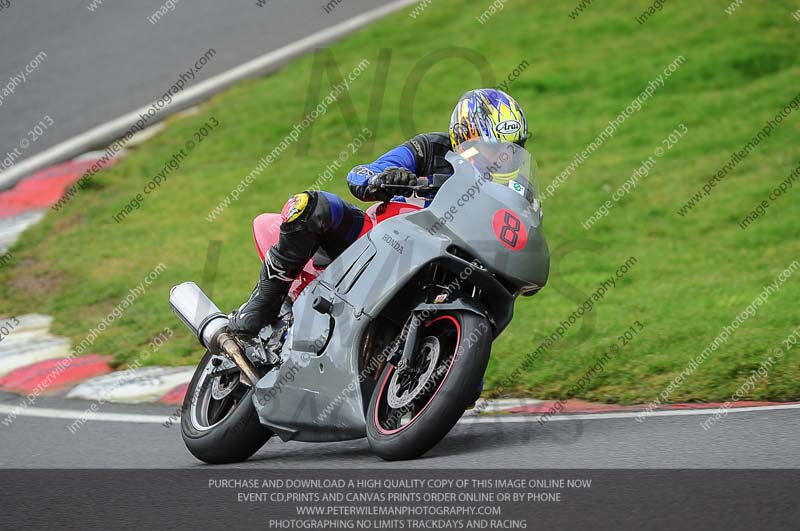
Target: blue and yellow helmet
{"points": [[490, 115]]}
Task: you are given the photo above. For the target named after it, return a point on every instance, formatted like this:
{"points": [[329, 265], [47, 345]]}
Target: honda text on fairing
{"points": [[391, 339]]}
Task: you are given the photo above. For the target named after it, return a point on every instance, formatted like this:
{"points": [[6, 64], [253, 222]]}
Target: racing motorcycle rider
{"points": [[311, 219]]}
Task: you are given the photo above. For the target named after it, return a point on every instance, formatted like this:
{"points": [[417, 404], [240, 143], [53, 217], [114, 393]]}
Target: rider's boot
{"points": [[265, 302], [307, 218]]}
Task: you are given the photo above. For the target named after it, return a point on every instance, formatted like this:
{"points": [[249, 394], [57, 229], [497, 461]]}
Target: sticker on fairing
{"points": [[514, 185]]}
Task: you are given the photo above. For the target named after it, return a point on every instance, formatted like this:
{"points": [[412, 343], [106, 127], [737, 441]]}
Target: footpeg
{"points": [[322, 305]]}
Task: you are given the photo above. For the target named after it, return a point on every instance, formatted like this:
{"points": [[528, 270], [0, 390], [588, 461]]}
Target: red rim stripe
{"points": [[389, 374]]}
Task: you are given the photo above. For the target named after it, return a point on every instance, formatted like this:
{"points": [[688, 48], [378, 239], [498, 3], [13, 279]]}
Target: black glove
{"points": [[397, 176]]}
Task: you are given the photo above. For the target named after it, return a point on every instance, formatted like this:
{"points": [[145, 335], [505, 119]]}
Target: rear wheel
{"points": [[411, 411], [219, 422]]}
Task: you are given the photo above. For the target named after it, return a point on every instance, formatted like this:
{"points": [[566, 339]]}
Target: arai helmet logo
{"points": [[508, 127]]}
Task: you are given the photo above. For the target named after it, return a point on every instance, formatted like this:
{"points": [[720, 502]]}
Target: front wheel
{"points": [[219, 422], [411, 411]]}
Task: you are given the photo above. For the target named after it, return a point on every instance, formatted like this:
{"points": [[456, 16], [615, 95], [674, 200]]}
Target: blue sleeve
{"points": [[399, 157]]}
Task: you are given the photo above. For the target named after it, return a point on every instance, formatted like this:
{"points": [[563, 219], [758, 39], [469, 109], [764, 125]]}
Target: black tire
{"points": [[436, 412], [235, 437]]}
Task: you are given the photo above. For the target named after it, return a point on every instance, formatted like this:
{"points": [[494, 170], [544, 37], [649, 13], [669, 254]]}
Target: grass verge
{"points": [[693, 274]]}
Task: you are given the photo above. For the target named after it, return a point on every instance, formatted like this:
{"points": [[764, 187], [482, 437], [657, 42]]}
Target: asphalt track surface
{"points": [[105, 63], [757, 439]]}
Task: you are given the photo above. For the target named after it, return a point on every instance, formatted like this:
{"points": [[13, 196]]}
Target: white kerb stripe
{"points": [[6, 409]]}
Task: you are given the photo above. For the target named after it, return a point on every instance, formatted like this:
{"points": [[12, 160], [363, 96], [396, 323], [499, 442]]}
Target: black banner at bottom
{"points": [[388, 499]]}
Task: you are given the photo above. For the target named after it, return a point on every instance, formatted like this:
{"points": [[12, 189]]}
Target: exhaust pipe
{"points": [[197, 312], [208, 324]]}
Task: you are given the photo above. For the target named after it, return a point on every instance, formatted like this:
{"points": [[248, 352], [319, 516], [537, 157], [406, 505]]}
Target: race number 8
{"points": [[510, 232], [508, 228]]}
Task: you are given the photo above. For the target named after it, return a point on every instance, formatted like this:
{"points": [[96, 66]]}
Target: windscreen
{"points": [[504, 163]]}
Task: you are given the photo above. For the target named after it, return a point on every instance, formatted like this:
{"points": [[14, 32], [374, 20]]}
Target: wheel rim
{"points": [[403, 398], [217, 394], [404, 388]]}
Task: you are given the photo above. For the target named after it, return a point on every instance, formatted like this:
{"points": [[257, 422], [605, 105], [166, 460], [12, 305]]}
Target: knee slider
{"points": [[298, 207]]}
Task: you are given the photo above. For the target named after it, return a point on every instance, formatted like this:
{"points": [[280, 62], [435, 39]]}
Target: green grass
{"points": [[694, 274]]}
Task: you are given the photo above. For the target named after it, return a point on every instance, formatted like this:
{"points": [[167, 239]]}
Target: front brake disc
{"points": [[399, 394]]}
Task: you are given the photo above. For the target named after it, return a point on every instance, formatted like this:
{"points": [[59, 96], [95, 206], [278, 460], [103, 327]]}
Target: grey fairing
{"points": [[315, 395], [471, 228]]}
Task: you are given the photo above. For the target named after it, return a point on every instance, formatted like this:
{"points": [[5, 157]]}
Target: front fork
{"points": [[406, 360]]}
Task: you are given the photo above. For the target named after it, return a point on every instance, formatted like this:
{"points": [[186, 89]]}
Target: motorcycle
{"points": [[388, 341]]}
